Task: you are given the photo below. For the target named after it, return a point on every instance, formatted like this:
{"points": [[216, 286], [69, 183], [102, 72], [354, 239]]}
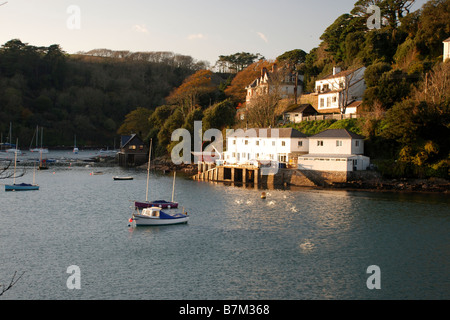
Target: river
{"points": [[300, 244]]}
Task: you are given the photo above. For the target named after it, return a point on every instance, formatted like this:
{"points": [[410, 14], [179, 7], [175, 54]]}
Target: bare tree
{"points": [[14, 280], [6, 172], [261, 113]]}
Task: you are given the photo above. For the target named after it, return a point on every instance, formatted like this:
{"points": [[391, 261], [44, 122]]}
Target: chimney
{"points": [[336, 70], [263, 71], [274, 68]]}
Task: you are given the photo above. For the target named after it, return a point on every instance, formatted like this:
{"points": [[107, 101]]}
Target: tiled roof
{"points": [[340, 74], [337, 133], [268, 133]]}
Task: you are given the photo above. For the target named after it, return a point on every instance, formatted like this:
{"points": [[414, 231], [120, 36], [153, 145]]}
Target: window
{"points": [[338, 143], [320, 143], [300, 143], [246, 142], [322, 102], [357, 143], [273, 143], [328, 102], [334, 99], [257, 142], [233, 154], [283, 143], [234, 141]]}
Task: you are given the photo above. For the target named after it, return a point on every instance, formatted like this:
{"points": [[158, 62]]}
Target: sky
{"points": [[203, 29]]}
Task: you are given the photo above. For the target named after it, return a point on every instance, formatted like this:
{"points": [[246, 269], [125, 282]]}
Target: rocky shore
{"points": [[374, 183]]}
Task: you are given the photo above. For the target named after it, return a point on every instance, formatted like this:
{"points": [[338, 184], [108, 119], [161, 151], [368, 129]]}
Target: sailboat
{"points": [[155, 203], [149, 213], [75, 149], [13, 148], [22, 186], [38, 149]]}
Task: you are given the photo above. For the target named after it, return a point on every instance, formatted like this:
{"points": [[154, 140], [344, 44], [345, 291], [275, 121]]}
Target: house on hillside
{"points": [[335, 150], [251, 146], [296, 113], [133, 151], [287, 84], [446, 49], [341, 92]]}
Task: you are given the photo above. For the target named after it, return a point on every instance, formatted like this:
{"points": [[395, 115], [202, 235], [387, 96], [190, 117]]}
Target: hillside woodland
{"points": [[101, 94]]}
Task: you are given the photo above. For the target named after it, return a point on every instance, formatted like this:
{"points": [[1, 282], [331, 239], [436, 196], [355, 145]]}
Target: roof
{"points": [[127, 139], [337, 133], [446, 40], [341, 74], [268, 133], [330, 156], [299, 108]]}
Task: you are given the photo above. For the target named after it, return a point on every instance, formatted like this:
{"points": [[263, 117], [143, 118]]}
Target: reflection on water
{"points": [[302, 244]]}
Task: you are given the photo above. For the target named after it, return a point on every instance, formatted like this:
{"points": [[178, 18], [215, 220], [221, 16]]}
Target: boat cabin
{"points": [[151, 212]]}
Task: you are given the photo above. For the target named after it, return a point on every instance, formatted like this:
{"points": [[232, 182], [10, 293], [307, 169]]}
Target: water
{"points": [[296, 244]]}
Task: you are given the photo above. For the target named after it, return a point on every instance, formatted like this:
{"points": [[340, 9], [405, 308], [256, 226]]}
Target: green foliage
{"points": [[76, 94]]}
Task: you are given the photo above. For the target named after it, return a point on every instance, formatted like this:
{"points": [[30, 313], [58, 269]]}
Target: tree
{"points": [[237, 62], [392, 10], [14, 280], [188, 94], [219, 116], [136, 122], [261, 113], [236, 91]]}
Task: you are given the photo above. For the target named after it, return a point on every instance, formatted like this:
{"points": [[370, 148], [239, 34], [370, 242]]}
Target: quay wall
{"points": [[283, 177]]}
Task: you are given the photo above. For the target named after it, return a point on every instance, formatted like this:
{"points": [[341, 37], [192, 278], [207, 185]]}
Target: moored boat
{"points": [[122, 178], [155, 217], [156, 203], [21, 187]]}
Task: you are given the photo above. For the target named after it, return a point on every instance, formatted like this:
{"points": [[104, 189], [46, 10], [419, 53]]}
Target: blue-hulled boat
{"points": [[155, 217], [21, 187]]}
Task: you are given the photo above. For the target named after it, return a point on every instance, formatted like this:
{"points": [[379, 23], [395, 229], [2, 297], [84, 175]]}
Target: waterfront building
{"points": [[335, 150], [252, 146], [133, 151]]}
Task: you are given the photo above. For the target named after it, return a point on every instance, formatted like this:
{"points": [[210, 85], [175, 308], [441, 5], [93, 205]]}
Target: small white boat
{"points": [[123, 178], [155, 217]]}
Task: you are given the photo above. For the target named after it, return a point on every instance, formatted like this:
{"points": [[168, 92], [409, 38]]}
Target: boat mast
{"points": [[148, 167], [173, 186], [15, 160]]}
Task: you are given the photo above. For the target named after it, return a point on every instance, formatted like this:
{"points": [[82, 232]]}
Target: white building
{"points": [[446, 49], [284, 83], [341, 91], [281, 144], [335, 150]]}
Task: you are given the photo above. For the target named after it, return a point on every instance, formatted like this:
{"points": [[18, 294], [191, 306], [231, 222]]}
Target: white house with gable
{"points": [[284, 145], [285, 83], [335, 150], [341, 91], [446, 49]]}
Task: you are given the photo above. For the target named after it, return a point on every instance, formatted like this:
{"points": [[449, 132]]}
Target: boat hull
{"points": [[158, 203], [21, 187], [153, 221]]}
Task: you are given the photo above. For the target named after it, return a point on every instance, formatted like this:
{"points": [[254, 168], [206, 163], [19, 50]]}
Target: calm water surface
{"points": [[296, 244]]}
